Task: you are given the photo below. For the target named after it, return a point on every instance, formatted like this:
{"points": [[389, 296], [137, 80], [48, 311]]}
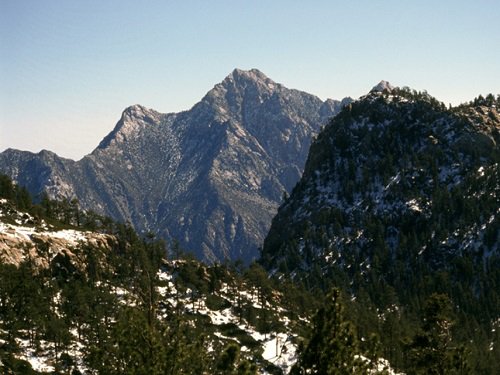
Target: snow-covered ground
{"points": [[277, 347]]}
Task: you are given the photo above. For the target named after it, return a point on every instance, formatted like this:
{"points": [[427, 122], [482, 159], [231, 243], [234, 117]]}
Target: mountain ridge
{"points": [[229, 158]]}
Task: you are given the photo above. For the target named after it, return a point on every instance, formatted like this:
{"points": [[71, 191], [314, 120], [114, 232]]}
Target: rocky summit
{"points": [[211, 177]]}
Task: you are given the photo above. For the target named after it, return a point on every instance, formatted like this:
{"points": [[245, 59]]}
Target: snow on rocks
{"points": [[22, 239]]}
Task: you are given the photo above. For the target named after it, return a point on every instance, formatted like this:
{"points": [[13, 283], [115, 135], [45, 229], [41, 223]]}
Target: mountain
{"points": [[399, 200], [211, 177], [391, 165]]}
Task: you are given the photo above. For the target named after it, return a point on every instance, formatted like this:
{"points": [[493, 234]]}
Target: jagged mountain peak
{"points": [[240, 82], [252, 74], [382, 86], [133, 118], [242, 91], [136, 110], [47, 153], [50, 156]]}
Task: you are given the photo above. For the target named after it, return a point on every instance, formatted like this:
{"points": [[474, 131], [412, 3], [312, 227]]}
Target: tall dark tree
{"points": [[432, 351], [333, 347]]}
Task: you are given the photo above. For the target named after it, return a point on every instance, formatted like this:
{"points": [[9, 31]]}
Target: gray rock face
{"points": [[211, 177]]}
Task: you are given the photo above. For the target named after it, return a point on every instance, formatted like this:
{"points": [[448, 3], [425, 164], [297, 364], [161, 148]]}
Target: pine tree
{"points": [[228, 358], [431, 349], [333, 347]]}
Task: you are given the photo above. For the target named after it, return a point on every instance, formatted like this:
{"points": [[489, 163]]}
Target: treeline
{"points": [[108, 311], [110, 318], [488, 101]]}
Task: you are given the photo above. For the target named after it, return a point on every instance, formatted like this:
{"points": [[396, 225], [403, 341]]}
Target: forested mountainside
{"points": [[211, 177], [81, 294], [400, 200]]}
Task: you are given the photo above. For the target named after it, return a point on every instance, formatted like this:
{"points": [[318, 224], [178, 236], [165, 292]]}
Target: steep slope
{"points": [[211, 177], [396, 159], [400, 198]]}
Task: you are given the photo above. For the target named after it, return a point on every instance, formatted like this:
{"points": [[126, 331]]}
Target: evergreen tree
{"points": [[333, 347], [431, 350], [227, 360]]}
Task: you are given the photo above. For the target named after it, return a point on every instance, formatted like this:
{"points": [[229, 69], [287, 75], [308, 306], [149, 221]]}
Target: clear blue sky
{"points": [[68, 68]]}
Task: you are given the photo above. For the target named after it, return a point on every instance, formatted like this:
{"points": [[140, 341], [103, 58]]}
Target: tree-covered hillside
{"points": [[108, 301], [400, 200]]}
